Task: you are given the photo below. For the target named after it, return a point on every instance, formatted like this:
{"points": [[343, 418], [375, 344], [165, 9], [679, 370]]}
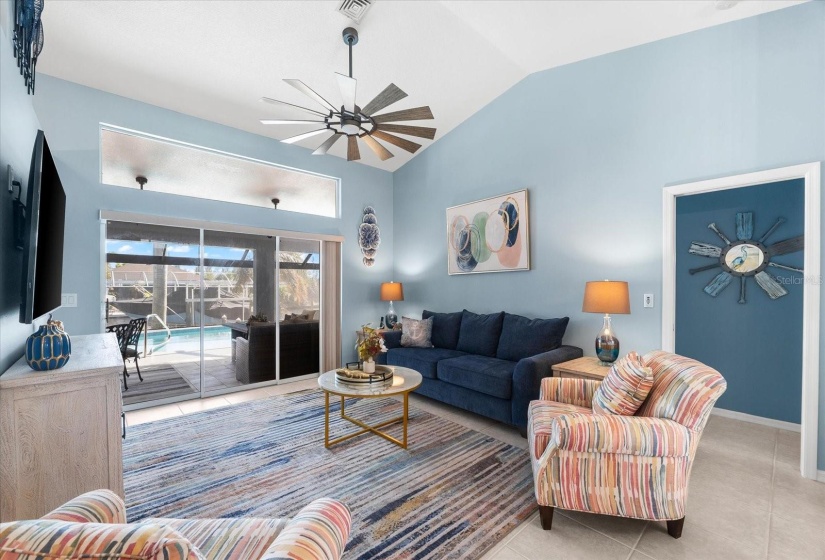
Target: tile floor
{"points": [[747, 500]]}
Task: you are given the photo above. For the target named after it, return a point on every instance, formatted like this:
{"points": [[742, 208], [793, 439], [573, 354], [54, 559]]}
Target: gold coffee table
{"points": [[404, 381]]}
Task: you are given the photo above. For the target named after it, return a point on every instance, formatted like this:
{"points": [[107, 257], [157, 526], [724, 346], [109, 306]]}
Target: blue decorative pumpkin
{"points": [[49, 348]]}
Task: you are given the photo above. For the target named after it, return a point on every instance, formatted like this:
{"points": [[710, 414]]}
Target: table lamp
{"points": [[606, 297], [392, 291]]}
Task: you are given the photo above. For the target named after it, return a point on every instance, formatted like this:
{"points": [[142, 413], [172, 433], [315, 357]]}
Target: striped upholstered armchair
{"points": [[93, 525], [629, 466]]}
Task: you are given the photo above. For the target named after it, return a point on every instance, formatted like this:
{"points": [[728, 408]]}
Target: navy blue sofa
{"points": [[488, 364]]}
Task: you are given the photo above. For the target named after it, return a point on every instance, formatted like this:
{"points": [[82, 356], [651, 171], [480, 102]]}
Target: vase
{"points": [[49, 348], [369, 366]]}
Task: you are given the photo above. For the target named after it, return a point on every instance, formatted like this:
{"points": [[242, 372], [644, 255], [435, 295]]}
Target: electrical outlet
{"points": [[68, 300], [648, 300]]}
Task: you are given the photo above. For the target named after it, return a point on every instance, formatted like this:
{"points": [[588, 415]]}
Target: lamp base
{"points": [[607, 345], [391, 317]]}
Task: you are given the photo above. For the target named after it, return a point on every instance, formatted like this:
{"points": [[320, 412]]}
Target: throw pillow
{"points": [[522, 337], [446, 327], [479, 334], [416, 333], [625, 387]]}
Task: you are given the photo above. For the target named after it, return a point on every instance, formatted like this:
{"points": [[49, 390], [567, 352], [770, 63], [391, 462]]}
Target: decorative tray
{"points": [[357, 376]]}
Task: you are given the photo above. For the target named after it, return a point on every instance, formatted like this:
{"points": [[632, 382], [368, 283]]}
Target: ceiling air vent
{"points": [[355, 9]]}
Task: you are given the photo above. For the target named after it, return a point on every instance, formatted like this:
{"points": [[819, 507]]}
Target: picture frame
{"points": [[489, 235]]}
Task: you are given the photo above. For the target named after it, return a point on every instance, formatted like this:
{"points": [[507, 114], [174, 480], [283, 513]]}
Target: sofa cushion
{"points": [[422, 360], [490, 376], [446, 327], [479, 334], [522, 337], [624, 388], [245, 538], [540, 417], [416, 333]]}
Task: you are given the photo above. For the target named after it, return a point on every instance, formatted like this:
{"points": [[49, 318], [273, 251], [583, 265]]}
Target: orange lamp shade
{"points": [[605, 296], [392, 291]]}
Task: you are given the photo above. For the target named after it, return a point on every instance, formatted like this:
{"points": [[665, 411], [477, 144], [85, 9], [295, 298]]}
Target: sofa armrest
{"points": [[392, 339], [625, 435], [319, 532], [97, 506], [528, 375], [566, 390]]}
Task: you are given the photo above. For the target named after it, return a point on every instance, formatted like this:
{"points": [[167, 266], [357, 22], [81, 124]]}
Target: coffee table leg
{"points": [[326, 419], [342, 406], [406, 414]]}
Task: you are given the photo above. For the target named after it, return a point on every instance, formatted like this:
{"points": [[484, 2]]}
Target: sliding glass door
{"points": [[153, 294], [223, 310]]}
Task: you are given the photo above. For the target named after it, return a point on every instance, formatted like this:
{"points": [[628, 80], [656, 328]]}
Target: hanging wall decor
{"points": [[746, 257], [28, 38], [369, 236], [490, 235]]}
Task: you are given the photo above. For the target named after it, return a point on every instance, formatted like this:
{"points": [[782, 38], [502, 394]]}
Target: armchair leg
{"points": [[674, 527], [546, 516], [522, 430]]}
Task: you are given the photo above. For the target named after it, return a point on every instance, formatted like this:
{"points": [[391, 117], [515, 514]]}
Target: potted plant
{"points": [[369, 345]]}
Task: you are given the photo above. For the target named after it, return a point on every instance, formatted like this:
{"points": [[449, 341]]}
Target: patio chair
{"points": [[128, 336]]}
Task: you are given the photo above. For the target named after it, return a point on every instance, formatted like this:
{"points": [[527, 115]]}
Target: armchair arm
{"points": [[528, 375], [319, 532], [97, 506], [568, 390], [624, 435]]}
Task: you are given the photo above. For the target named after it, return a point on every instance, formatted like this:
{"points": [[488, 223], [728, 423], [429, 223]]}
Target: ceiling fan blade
{"points": [[379, 150], [276, 102], [287, 121], [416, 114], [411, 147], [347, 86], [420, 131], [309, 92], [324, 148], [719, 283], [353, 153], [770, 285], [304, 136], [391, 94], [705, 250], [744, 226], [791, 245]]}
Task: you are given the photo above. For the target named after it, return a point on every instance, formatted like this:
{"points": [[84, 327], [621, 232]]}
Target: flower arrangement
{"points": [[370, 344]]}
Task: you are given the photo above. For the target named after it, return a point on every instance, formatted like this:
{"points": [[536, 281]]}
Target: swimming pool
{"points": [[187, 340]]}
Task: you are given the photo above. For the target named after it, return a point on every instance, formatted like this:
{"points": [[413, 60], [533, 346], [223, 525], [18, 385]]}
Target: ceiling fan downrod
{"points": [[350, 35]]}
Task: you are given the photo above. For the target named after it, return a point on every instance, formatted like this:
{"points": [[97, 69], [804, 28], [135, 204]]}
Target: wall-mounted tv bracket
{"points": [[18, 214]]}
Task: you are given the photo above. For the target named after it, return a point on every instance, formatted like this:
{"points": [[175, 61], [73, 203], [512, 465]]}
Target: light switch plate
{"points": [[648, 300], [68, 300]]}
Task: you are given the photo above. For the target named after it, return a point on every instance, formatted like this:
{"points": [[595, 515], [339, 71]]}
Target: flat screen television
{"points": [[42, 236]]}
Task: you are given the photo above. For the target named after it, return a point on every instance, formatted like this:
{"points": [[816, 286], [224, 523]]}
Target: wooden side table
{"points": [[581, 368]]}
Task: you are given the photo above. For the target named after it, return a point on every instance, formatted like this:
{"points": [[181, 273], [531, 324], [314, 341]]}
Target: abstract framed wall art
{"points": [[489, 235]]}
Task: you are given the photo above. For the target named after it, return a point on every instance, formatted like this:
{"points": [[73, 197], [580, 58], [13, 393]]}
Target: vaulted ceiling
{"points": [[215, 60]]}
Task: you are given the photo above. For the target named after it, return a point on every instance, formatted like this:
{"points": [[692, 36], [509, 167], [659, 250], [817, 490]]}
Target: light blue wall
{"points": [[71, 115], [595, 142], [18, 129], [756, 346]]}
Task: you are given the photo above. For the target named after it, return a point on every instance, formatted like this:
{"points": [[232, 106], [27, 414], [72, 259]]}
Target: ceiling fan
{"points": [[352, 121]]}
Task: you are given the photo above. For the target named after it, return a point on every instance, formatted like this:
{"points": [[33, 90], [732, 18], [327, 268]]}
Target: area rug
{"points": [[454, 493], [159, 382]]}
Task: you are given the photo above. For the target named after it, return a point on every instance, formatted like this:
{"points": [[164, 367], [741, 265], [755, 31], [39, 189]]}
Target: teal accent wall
{"points": [[595, 142], [757, 346], [18, 129], [71, 114]]}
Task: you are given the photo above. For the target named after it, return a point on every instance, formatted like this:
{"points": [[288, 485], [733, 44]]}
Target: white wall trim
{"points": [[761, 420], [820, 476], [810, 172]]}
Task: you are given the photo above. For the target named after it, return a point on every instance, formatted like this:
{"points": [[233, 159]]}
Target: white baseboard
{"points": [[820, 476], [770, 422]]}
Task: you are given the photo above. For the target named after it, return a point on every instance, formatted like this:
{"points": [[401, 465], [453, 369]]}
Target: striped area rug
{"points": [[453, 494]]}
